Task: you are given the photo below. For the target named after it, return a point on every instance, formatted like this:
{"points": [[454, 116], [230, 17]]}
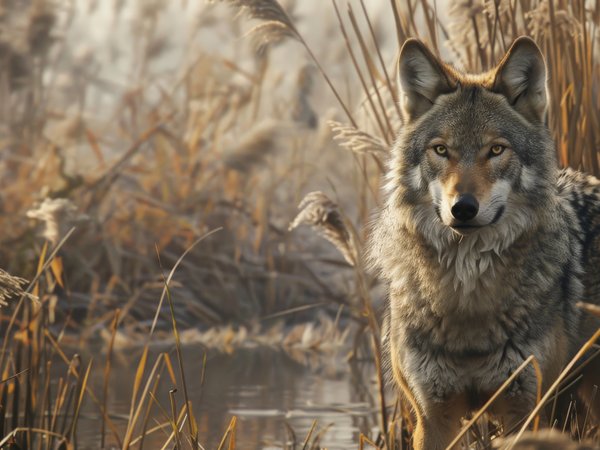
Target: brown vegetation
{"points": [[218, 143]]}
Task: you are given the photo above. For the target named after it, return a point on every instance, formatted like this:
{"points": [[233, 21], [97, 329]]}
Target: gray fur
{"points": [[466, 310]]}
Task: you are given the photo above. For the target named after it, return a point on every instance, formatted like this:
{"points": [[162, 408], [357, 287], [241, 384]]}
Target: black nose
{"points": [[465, 208]]}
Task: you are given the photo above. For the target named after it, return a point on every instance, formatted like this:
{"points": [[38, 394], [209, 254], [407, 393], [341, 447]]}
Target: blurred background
{"points": [[134, 131]]}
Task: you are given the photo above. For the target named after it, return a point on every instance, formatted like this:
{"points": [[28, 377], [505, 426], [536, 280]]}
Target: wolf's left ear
{"points": [[521, 78]]}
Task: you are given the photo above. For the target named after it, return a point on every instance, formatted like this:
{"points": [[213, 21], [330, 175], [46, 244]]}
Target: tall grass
{"points": [[162, 155]]}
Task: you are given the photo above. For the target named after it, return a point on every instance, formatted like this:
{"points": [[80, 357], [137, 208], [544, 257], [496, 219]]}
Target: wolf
{"points": [[485, 244]]}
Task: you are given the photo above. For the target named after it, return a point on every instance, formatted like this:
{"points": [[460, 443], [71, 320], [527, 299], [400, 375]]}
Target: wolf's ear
{"points": [[521, 78], [421, 79]]}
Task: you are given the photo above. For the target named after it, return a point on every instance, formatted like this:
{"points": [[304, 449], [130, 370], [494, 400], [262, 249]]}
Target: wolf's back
{"points": [[582, 192]]}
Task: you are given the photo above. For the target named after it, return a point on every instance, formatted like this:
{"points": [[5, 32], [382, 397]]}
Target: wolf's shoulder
{"points": [[582, 192]]}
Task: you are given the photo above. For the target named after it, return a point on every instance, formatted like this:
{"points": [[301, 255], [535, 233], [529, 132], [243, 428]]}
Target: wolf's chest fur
{"points": [[466, 312]]}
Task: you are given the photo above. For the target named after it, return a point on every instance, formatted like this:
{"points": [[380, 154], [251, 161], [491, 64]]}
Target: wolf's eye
{"points": [[441, 150], [497, 150]]}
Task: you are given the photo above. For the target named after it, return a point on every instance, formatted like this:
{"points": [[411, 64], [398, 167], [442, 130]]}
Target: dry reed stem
{"points": [[554, 386], [11, 435], [73, 371], [590, 308], [551, 440], [107, 368], [134, 417], [309, 435], [362, 440], [531, 359], [229, 433], [41, 269], [193, 429]]}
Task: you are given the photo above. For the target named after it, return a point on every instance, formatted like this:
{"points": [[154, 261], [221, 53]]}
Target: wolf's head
{"points": [[474, 153]]}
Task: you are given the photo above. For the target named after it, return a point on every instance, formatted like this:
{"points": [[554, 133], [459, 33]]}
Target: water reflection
{"points": [[264, 388]]}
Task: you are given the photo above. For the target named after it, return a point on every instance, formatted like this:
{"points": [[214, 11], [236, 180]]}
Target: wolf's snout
{"points": [[465, 208]]}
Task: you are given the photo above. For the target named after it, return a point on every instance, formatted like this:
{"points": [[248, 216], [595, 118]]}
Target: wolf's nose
{"points": [[465, 208]]}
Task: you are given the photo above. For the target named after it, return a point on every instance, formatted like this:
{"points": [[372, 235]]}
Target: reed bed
{"points": [[117, 158]]}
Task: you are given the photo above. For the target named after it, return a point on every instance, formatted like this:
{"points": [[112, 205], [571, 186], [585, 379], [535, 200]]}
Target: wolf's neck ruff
{"points": [[468, 258]]}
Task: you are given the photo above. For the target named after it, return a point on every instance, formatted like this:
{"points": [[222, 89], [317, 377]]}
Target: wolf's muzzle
{"points": [[465, 208]]}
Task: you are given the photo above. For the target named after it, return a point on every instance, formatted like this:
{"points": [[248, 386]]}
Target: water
{"points": [[264, 388]]}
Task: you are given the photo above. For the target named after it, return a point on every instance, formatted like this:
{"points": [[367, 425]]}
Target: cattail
{"points": [[324, 216]]}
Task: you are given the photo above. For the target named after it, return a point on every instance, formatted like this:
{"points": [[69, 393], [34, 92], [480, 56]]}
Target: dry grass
{"points": [[181, 145]]}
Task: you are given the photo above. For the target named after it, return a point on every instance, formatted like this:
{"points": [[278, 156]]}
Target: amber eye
{"points": [[497, 150], [441, 150]]}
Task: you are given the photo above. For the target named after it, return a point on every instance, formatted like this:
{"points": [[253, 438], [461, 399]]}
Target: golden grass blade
{"points": [[73, 371], [362, 440], [145, 431], [32, 284], [228, 433], [363, 83], [148, 432], [138, 379], [40, 265], [14, 432], [46, 401], [14, 376], [501, 389], [555, 385], [309, 435], [173, 404], [388, 82], [171, 273], [107, 368], [191, 422], [73, 431], [232, 438], [170, 370], [590, 308], [373, 76], [143, 360], [133, 419]]}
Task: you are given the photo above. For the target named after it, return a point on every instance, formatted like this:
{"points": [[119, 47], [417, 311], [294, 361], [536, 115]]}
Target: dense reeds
{"points": [[144, 164]]}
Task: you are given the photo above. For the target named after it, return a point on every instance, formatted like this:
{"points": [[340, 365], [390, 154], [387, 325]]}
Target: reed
{"points": [[143, 164]]}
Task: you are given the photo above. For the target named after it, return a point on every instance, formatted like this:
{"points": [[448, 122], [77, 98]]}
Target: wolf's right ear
{"points": [[421, 79]]}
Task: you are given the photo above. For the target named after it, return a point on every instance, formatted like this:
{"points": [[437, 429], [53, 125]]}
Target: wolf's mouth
{"points": [[466, 227], [498, 215]]}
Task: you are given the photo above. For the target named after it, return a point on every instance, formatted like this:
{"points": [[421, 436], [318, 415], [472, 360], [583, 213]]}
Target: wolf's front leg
{"points": [[439, 424], [512, 410]]}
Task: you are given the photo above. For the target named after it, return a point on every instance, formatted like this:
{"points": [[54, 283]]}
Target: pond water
{"points": [[264, 388]]}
